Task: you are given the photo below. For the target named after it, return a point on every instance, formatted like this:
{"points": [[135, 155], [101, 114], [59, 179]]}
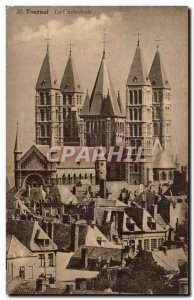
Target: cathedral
{"points": [[64, 116]]}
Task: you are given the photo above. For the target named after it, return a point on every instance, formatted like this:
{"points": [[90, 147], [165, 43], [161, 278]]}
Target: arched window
{"points": [[131, 130], [135, 130], [140, 97], [95, 126], [135, 97], [132, 143], [138, 143], [42, 114], [48, 99], [64, 179], [163, 175], [131, 97], [48, 129], [140, 131], [48, 115], [131, 114], [135, 114], [140, 115], [157, 112], [42, 129], [41, 99]]}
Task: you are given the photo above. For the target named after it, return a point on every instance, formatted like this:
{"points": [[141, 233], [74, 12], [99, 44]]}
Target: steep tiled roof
{"points": [[10, 198], [27, 232], [86, 106], [47, 78], [157, 74], [163, 161], [15, 249], [66, 195], [138, 74], [95, 252], [103, 100], [169, 259], [70, 82]]}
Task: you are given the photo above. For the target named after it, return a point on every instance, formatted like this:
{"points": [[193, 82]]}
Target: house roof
{"points": [[95, 252], [103, 100], [157, 74], [163, 161], [27, 232], [70, 82], [145, 196], [66, 195], [15, 249], [170, 260], [47, 78], [138, 74]]}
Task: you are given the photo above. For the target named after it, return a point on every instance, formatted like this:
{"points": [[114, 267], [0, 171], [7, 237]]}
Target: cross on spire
{"points": [[48, 39], [158, 43], [70, 45], [104, 42], [138, 39]]}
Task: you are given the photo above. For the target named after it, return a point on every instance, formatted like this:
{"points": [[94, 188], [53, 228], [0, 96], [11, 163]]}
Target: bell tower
{"points": [[139, 119], [48, 109], [72, 94], [161, 102]]}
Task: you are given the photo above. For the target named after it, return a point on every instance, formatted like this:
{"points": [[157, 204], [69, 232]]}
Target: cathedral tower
{"points": [[103, 112], [139, 119], [72, 92], [49, 122], [161, 102]]}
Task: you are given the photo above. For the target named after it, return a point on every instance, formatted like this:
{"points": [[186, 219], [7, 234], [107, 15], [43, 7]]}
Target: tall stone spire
{"points": [[47, 78], [103, 91], [70, 82], [17, 148], [138, 74], [157, 74]]}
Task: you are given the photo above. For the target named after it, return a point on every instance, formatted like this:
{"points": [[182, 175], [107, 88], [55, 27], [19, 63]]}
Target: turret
{"points": [[101, 172], [17, 158]]}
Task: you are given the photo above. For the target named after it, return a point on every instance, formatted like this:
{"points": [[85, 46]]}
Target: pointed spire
{"points": [[157, 74], [86, 105], [17, 148], [103, 99], [119, 102], [47, 78], [138, 74], [70, 82]]}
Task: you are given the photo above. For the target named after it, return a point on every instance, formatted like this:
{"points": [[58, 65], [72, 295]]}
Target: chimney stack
{"points": [[84, 257], [74, 236]]}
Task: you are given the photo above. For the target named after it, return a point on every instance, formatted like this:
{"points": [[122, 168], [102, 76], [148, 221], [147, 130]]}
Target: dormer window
{"points": [[55, 81], [166, 81], [154, 82], [78, 86], [135, 79], [66, 86], [43, 82]]}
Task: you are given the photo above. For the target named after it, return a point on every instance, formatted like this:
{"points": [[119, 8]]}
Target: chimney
{"points": [[51, 230], [153, 210], [74, 236], [84, 257]]}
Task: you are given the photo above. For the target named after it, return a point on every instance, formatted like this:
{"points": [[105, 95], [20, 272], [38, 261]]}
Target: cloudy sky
{"points": [[26, 47]]}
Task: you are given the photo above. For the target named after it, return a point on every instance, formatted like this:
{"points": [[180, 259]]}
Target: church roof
{"points": [[157, 74], [47, 78], [138, 74], [70, 82], [103, 100], [163, 161]]}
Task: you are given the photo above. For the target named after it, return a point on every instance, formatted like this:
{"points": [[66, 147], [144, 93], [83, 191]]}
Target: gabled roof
{"points": [[27, 232], [158, 77], [47, 78], [138, 74], [163, 161], [103, 100], [15, 249], [70, 82]]}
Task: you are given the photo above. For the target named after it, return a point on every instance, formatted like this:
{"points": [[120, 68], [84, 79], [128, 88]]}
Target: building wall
{"points": [[28, 264]]}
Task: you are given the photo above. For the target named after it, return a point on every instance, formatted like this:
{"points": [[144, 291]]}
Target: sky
{"points": [[26, 48]]}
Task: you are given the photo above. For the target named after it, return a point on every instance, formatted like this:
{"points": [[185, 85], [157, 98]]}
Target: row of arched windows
{"points": [[69, 100], [45, 98], [135, 129], [135, 97], [135, 114], [45, 114], [156, 112]]}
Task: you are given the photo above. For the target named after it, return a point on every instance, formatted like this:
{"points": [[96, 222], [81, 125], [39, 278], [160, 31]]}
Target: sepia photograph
{"points": [[97, 150]]}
